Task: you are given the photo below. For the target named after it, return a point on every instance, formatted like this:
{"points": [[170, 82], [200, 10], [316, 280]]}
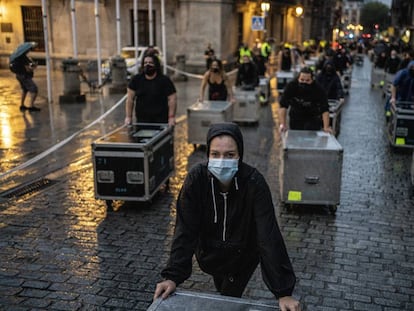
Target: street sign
{"points": [[257, 23]]}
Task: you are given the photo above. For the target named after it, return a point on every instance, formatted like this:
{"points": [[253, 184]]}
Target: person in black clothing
{"points": [[209, 55], [226, 218], [308, 103], [260, 61], [331, 82], [380, 60], [25, 68], [218, 83], [342, 60], [152, 93], [392, 63], [247, 76]]}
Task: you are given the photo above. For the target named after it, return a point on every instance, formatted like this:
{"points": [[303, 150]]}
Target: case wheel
{"points": [[109, 206], [333, 209]]}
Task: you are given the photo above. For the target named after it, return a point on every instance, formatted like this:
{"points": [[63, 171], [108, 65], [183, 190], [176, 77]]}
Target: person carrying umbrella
{"points": [[23, 66]]}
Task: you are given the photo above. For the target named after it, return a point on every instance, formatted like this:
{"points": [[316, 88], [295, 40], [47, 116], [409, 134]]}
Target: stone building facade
{"points": [[189, 26]]}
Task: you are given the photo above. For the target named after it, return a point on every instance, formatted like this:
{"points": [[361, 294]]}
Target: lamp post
{"points": [[265, 6], [298, 13]]}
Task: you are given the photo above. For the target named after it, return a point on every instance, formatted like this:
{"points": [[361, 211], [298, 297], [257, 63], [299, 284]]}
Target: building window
{"points": [[33, 26], [143, 27]]}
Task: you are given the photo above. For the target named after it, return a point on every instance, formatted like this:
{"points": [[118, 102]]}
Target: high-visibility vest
{"points": [[265, 49], [245, 52]]}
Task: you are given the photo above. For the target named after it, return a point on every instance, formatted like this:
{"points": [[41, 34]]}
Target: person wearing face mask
{"points": [[218, 83], [247, 75], [226, 218], [329, 79], [152, 93], [307, 102]]}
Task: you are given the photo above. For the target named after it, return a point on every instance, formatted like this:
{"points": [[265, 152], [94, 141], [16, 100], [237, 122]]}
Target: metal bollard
{"points": [[71, 82], [180, 65], [119, 75], [92, 70], [118, 71]]}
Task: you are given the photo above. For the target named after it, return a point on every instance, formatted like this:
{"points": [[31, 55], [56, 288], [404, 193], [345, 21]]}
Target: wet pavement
{"points": [[60, 249]]}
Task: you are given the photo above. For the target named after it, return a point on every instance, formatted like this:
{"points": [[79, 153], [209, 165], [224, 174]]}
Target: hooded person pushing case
{"points": [[225, 216]]}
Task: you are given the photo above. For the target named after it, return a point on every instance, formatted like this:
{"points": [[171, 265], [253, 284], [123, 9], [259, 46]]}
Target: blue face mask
{"points": [[223, 169]]}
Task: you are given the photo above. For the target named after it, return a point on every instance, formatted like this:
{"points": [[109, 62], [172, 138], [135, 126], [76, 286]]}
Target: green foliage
{"points": [[374, 13]]}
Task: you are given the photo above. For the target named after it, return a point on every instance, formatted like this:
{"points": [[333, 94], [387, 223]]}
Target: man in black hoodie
{"points": [[226, 217]]}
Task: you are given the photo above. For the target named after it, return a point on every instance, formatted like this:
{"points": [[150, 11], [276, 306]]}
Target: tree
{"points": [[375, 16]]}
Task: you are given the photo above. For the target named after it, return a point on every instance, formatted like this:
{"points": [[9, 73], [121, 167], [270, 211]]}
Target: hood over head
{"points": [[227, 128]]}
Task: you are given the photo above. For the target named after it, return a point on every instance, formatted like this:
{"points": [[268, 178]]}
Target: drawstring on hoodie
{"points": [[224, 194], [214, 200]]}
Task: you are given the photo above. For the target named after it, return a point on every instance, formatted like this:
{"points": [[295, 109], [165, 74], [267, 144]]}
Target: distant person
{"points": [[24, 68], [308, 103], [218, 83], [152, 94], [209, 55], [392, 63], [247, 75], [286, 59], [244, 50], [260, 61], [226, 219], [330, 81]]}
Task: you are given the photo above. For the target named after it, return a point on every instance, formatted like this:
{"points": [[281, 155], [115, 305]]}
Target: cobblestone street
{"points": [[60, 249]]}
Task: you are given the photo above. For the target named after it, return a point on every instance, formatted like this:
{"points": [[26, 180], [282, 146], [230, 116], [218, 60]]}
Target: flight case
{"points": [[335, 108], [191, 301], [311, 169], [201, 114], [283, 78], [401, 125], [247, 105], [132, 162]]}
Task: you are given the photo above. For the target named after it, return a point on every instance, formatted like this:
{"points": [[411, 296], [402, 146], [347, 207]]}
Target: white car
{"points": [[134, 63]]}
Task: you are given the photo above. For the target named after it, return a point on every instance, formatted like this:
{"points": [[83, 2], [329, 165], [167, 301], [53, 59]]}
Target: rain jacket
{"points": [[404, 84], [226, 230]]}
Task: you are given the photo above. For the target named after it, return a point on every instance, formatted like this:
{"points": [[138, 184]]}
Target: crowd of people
{"points": [[225, 215]]}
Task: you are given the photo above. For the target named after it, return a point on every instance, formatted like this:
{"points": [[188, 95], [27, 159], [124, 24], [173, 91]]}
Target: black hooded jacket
{"points": [[226, 230]]}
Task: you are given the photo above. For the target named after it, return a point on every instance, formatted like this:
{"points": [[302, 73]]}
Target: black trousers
{"points": [[233, 284]]}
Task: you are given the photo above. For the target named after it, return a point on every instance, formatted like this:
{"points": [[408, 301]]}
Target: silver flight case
{"points": [[201, 114], [247, 105], [192, 301], [311, 169]]}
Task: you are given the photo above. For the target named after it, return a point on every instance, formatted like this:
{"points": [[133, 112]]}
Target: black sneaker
{"points": [[23, 108], [33, 108]]}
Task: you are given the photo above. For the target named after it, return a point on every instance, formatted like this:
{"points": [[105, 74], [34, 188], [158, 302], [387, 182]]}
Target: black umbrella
{"points": [[21, 49]]}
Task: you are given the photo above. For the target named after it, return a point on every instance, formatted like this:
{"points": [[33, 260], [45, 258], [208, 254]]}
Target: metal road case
{"points": [[346, 80], [377, 77], [335, 108], [247, 105], [311, 169], [401, 125], [283, 78], [201, 115], [132, 162], [192, 301], [264, 85]]}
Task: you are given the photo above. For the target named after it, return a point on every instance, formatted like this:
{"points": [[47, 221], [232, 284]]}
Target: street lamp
{"points": [[298, 11], [265, 6]]}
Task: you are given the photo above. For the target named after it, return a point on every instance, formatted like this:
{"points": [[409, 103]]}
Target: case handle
{"points": [[312, 180]]}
